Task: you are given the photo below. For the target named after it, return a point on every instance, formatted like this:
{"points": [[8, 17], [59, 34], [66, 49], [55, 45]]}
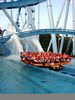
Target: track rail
{"points": [[18, 3]]}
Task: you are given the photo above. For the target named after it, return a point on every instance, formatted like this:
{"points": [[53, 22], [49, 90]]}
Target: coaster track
{"points": [[39, 31], [18, 3]]}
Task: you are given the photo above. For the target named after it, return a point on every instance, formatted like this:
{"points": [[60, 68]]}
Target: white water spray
{"points": [[14, 43]]}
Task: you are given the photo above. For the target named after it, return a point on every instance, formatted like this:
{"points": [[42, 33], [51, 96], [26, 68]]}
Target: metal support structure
{"points": [[73, 11], [11, 20], [11, 11], [15, 37], [38, 16], [65, 24], [49, 45], [11, 15], [33, 41], [50, 13], [51, 21], [45, 31], [68, 46], [30, 20], [18, 15], [19, 3], [66, 14], [58, 20]]}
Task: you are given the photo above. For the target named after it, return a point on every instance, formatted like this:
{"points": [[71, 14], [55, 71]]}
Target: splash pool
{"points": [[16, 77]]}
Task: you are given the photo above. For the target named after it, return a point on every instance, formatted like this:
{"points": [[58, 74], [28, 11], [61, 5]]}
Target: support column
{"points": [[65, 24], [11, 20], [32, 42], [58, 20], [51, 22]]}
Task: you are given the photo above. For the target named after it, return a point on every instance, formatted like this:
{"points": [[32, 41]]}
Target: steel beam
{"points": [[19, 3], [45, 31], [65, 24], [11, 20], [51, 22]]}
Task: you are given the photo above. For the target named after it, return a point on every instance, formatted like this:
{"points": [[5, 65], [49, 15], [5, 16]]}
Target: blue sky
{"points": [[44, 20], [56, 5]]}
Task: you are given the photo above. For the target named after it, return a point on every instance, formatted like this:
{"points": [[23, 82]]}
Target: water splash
{"points": [[15, 45]]}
